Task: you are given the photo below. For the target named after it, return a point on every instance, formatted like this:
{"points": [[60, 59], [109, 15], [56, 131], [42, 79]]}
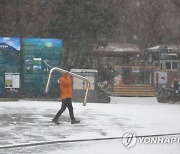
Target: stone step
{"points": [[135, 94], [133, 85], [133, 90]]}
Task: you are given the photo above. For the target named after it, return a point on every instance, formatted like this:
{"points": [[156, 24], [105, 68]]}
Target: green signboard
{"points": [[38, 55]]}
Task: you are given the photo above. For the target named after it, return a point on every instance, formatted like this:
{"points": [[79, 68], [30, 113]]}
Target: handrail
{"points": [[72, 74]]}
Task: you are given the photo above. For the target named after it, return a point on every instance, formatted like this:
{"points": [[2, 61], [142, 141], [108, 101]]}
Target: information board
{"points": [[10, 60], [38, 55]]}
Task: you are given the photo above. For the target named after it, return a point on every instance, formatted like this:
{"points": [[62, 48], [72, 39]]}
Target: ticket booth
{"points": [[79, 86]]}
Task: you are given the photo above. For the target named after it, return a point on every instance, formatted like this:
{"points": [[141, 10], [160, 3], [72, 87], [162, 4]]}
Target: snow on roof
{"points": [[118, 47], [170, 47], [154, 48], [83, 70]]}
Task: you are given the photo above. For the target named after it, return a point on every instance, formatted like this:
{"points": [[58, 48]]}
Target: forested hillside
{"points": [[84, 24]]}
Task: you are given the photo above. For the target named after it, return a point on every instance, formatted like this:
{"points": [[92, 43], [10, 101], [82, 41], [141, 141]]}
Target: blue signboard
{"points": [[9, 58]]}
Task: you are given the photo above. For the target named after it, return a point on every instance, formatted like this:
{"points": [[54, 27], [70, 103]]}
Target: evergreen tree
{"points": [[82, 25]]}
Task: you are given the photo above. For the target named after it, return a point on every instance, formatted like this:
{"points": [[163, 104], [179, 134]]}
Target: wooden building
{"points": [[166, 62], [132, 77]]}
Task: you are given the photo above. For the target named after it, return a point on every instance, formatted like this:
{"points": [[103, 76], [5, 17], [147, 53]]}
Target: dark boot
{"points": [[55, 121], [74, 121]]}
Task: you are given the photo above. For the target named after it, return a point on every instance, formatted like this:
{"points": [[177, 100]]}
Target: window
{"points": [[174, 65], [168, 65], [156, 64], [161, 66]]}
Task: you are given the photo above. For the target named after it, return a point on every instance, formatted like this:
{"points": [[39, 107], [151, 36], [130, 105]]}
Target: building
{"points": [[166, 62], [127, 73]]}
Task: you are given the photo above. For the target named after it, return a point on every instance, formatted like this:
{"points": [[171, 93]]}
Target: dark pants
{"points": [[66, 103]]}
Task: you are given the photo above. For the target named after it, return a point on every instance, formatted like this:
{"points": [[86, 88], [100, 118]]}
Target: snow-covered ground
{"points": [[26, 122]]}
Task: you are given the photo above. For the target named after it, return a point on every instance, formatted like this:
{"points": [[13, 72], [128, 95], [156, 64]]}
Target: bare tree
{"points": [[145, 23]]}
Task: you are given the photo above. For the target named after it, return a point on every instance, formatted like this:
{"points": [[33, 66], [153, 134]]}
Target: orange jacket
{"points": [[65, 84]]}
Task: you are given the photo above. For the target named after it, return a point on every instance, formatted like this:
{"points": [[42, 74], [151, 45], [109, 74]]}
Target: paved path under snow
{"points": [[30, 122]]}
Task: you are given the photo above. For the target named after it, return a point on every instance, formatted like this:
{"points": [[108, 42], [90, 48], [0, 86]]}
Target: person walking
{"points": [[66, 93]]}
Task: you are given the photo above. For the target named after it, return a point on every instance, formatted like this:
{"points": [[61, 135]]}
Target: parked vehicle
{"points": [[103, 96], [167, 95]]}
